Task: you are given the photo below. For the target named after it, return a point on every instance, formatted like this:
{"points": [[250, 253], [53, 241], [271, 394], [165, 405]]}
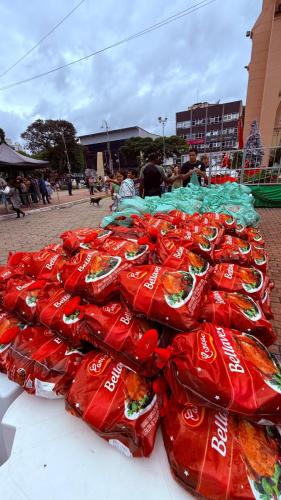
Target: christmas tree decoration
{"points": [[254, 149]]}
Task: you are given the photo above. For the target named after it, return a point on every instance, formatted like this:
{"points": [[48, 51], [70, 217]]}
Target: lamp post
{"points": [[66, 153], [163, 122], [109, 159]]}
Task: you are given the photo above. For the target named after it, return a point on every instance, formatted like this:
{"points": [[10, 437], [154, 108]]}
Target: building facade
{"points": [[95, 143], [210, 127], [264, 86]]}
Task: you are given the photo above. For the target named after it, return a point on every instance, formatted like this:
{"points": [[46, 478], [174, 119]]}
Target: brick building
{"points": [[210, 127]]}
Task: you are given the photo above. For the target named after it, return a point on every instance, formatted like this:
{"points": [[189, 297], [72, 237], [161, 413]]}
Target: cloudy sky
{"points": [[200, 57]]}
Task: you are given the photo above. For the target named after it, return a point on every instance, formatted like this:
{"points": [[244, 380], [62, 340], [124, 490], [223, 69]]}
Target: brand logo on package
{"points": [[98, 364], [193, 415], [137, 275], [206, 348]]}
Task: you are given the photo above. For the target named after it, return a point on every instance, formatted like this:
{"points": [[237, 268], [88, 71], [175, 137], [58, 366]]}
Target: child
{"points": [[126, 189]]}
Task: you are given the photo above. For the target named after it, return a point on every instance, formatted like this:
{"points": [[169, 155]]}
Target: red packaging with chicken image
{"points": [[62, 313], [245, 280], [238, 311], [213, 232], [251, 234], [42, 363], [178, 257], [116, 330], [259, 258], [21, 296], [234, 250], [8, 272], [129, 250], [228, 370], [216, 456], [226, 220], [93, 275], [173, 298], [194, 242], [10, 326], [76, 239], [117, 403], [126, 233], [46, 263]]}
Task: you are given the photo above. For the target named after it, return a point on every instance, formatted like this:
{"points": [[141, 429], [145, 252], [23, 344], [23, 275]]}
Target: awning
{"points": [[10, 157]]}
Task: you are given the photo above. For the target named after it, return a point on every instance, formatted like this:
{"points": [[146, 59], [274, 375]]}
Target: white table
{"points": [[55, 456]]}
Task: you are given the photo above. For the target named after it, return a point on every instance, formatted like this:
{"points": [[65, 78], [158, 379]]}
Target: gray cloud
{"points": [[201, 56]]}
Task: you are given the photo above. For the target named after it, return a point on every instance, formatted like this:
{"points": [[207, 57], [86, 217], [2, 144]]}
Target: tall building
{"points": [[264, 87], [100, 141], [211, 127]]}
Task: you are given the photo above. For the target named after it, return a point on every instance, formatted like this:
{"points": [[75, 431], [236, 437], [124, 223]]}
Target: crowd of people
{"points": [[153, 180]]}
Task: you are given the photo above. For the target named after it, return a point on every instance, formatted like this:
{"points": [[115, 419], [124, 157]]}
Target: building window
{"points": [[200, 121], [215, 119], [186, 124], [230, 117]]}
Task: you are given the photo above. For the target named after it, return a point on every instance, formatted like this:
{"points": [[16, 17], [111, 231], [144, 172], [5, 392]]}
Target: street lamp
{"points": [[163, 122], [66, 153], [109, 159]]}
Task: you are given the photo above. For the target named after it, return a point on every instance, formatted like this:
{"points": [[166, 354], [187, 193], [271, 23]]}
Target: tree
{"points": [[2, 136], [45, 139], [254, 149], [133, 147]]}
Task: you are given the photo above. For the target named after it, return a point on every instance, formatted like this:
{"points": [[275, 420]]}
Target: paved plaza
{"points": [[40, 228]]}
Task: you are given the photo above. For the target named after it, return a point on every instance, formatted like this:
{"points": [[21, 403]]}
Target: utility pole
{"points": [[163, 122], [66, 153], [109, 159]]}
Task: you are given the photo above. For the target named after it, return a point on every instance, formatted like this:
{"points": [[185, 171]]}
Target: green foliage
{"points": [[134, 146], [2, 136], [44, 139]]}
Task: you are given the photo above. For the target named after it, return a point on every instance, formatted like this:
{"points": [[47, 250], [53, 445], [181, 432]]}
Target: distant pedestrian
{"points": [[69, 185], [43, 190], [12, 193], [91, 183]]}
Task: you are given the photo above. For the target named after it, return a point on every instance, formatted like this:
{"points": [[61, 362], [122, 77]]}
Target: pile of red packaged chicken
{"points": [[163, 322]]}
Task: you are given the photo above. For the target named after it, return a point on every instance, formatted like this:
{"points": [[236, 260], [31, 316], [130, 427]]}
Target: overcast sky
{"points": [[200, 57]]}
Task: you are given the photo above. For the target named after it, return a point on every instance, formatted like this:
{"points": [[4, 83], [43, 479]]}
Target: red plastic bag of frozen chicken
{"points": [[227, 370], [232, 249], [129, 250], [21, 296], [62, 313], [178, 257], [41, 362], [245, 280], [238, 311], [115, 329], [193, 241], [46, 265], [10, 326], [93, 275], [76, 239], [213, 455], [163, 294], [119, 404]]}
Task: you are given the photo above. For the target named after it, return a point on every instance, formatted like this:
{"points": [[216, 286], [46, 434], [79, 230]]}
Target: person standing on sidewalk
{"points": [[14, 197], [43, 190], [152, 175], [69, 185]]}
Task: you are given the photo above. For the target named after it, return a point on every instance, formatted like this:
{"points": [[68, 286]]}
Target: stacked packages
{"points": [[163, 320]]}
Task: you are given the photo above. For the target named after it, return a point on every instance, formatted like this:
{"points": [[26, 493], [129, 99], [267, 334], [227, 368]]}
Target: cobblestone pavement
{"points": [[40, 228], [271, 229]]}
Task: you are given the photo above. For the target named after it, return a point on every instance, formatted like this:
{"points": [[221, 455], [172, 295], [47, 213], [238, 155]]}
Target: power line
{"points": [[42, 39], [154, 27]]}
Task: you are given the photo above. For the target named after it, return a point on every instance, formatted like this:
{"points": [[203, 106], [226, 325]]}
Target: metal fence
{"points": [[232, 165]]}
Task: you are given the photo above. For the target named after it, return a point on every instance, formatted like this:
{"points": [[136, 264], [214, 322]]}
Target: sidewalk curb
{"points": [[46, 209]]}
